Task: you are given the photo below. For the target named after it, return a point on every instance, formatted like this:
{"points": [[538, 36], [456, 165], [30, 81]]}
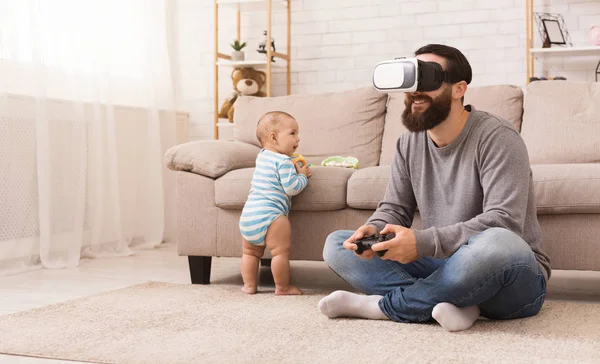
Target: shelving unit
{"points": [[575, 51], [224, 60], [245, 63], [250, 4], [557, 51]]}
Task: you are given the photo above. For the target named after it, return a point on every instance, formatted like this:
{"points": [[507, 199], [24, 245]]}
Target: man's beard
{"points": [[437, 111]]}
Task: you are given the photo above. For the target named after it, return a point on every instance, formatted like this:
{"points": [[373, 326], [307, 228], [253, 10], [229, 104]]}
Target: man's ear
{"points": [[459, 89]]}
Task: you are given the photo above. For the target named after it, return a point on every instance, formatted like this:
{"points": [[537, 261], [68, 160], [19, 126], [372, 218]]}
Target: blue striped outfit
{"points": [[274, 181]]}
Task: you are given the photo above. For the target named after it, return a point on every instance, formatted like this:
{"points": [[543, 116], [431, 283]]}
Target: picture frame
{"points": [[553, 30]]}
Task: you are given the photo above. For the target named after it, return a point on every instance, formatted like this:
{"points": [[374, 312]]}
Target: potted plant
{"points": [[237, 54]]}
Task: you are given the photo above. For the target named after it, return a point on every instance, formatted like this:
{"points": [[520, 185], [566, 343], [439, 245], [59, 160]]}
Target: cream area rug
{"points": [[180, 323]]}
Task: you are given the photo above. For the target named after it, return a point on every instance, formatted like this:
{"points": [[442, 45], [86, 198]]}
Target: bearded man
{"points": [[479, 250]]}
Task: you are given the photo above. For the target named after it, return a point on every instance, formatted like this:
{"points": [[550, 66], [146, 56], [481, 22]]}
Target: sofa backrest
{"points": [[502, 100], [348, 123], [505, 101], [561, 122]]}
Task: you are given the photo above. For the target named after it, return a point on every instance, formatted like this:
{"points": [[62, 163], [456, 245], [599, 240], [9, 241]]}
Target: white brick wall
{"points": [[335, 43]]}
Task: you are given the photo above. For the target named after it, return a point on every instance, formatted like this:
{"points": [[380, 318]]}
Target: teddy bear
{"points": [[246, 81]]}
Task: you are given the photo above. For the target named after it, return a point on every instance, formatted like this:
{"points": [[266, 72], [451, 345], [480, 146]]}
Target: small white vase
{"points": [[237, 56]]}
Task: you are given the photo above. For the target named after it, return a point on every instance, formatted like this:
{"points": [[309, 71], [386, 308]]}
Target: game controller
{"points": [[368, 241]]}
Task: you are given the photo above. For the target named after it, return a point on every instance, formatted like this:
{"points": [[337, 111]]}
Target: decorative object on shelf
{"points": [[552, 30], [595, 35], [557, 78], [237, 54], [247, 82], [544, 26], [222, 58], [262, 46]]}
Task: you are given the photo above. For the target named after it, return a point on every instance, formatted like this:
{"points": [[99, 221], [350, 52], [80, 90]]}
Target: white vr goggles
{"points": [[409, 75]]}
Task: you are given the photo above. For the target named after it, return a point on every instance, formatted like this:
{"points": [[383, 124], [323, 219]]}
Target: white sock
{"points": [[453, 318], [342, 303]]}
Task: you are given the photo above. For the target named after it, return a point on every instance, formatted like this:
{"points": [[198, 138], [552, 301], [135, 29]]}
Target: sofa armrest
{"points": [[211, 158]]}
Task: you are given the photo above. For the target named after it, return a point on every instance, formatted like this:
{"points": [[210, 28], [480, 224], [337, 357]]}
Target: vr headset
{"points": [[409, 75]]}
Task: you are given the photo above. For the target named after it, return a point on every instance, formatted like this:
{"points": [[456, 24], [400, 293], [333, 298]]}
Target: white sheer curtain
{"points": [[84, 87]]}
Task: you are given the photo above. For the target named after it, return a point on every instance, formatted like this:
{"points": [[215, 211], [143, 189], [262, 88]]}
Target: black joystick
{"points": [[368, 241]]}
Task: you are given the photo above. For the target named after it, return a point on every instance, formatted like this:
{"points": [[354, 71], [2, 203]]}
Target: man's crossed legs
{"points": [[495, 275]]}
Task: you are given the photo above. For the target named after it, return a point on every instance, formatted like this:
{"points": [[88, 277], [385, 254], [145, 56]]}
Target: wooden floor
{"points": [[42, 287]]}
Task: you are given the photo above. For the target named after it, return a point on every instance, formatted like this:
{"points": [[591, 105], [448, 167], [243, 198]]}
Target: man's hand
{"points": [[360, 233], [402, 248], [305, 170]]}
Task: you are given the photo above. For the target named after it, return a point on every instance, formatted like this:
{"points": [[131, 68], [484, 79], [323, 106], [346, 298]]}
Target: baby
{"points": [[264, 219]]}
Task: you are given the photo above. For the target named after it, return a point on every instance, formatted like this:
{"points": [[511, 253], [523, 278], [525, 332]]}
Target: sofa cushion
{"points": [[367, 186], [567, 188], [210, 158], [393, 127], [501, 100], [561, 123], [559, 188], [326, 190], [348, 123], [505, 101]]}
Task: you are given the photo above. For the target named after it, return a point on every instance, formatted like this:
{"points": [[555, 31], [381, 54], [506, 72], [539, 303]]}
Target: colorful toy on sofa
{"points": [[299, 158], [338, 161]]}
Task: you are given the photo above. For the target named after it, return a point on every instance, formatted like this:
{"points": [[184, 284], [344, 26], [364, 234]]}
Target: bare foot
{"points": [[288, 291], [249, 289]]}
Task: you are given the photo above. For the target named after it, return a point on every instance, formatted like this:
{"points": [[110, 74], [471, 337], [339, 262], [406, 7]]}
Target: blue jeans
{"points": [[495, 270]]}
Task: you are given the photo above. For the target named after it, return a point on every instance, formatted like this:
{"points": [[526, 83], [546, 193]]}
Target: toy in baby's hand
{"points": [[337, 161], [299, 158]]}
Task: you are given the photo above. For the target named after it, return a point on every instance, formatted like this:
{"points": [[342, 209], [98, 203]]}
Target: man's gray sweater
{"points": [[482, 179]]}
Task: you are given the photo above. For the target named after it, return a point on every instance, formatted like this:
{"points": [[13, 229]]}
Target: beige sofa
{"points": [[559, 121]]}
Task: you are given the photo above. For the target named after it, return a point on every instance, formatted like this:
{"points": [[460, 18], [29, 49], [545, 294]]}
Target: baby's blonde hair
{"points": [[267, 124]]}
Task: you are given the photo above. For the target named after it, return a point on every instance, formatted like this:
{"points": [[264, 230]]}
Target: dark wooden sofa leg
{"points": [[199, 269], [265, 262]]}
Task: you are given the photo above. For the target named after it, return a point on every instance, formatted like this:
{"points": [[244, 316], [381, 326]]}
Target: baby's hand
{"points": [[303, 170]]}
